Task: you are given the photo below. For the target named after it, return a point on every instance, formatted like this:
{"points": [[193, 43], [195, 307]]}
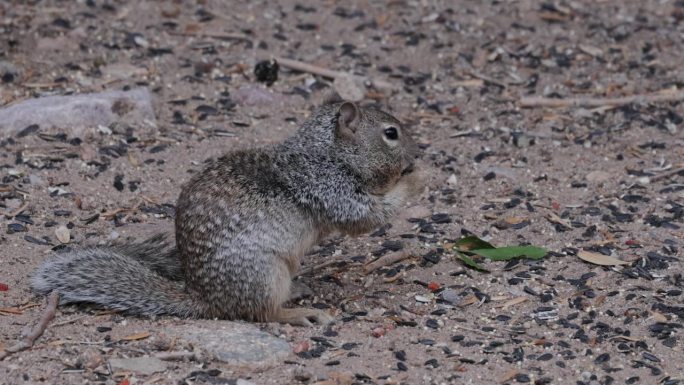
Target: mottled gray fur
{"points": [[244, 222]]}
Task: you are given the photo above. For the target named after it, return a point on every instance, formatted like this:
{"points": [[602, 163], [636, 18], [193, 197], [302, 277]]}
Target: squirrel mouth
{"points": [[409, 169]]}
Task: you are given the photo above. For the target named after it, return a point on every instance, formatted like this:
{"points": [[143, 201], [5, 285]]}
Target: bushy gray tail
{"points": [[141, 278]]}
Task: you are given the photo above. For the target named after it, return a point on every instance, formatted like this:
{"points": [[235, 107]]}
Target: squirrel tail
{"points": [[130, 278]]}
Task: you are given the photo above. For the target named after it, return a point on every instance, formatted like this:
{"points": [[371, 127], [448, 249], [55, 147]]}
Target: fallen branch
{"points": [[29, 336], [386, 260], [528, 102]]}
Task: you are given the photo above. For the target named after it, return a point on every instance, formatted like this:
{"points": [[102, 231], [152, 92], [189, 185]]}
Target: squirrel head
{"points": [[373, 144]]}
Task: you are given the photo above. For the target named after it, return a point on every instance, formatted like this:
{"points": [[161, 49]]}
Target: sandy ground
{"points": [[598, 179]]}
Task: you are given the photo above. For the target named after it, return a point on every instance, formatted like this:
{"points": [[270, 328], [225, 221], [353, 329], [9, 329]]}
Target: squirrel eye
{"points": [[391, 133]]}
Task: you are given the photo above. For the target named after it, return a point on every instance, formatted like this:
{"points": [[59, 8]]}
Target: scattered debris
{"points": [[29, 336], [138, 365]]}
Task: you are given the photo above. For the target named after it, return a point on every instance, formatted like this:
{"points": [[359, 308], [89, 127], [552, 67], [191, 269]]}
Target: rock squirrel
{"points": [[244, 222]]}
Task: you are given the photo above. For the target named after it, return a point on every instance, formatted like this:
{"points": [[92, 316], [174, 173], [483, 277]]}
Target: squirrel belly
{"points": [[244, 222]]}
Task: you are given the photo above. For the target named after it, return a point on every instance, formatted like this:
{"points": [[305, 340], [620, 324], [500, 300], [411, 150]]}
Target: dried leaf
{"points": [[553, 218], [659, 317], [470, 83], [509, 375], [514, 301], [591, 50], [600, 259], [469, 300], [133, 160], [137, 336], [337, 378]]}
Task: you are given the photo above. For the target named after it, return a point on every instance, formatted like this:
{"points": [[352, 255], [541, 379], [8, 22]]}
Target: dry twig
{"points": [[214, 35], [176, 356], [327, 263], [386, 260], [487, 79], [528, 102], [29, 336], [327, 73], [666, 175], [17, 211]]}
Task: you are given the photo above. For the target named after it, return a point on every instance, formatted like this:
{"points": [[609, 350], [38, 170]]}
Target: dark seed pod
{"points": [[266, 71]]}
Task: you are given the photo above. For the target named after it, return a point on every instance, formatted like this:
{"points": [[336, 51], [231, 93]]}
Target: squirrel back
{"points": [[244, 222]]}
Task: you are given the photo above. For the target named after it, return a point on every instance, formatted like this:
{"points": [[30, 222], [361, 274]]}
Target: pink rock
{"points": [[78, 112]]}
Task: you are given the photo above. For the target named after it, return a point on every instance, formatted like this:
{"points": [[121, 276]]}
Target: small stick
{"points": [[326, 73], [17, 211], [487, 79], [70, 320], [214, 35], [386, 260], [327, 263], [176, 356], [667, 174], [527, 102], [11, 310], [478, 331], [29, 336], [310, 68]]}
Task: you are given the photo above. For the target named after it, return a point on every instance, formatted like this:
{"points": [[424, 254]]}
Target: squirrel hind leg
{"points": [[281, 291]]}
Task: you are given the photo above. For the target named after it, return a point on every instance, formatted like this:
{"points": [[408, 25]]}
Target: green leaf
{"points": [[472, 242], [471, 263], [511, 252]]}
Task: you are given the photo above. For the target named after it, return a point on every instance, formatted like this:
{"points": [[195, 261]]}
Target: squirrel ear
{"points": [[332, 97], [347, 119]]}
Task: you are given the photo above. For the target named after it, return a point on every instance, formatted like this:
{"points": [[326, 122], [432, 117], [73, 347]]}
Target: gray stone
{"points": [[236, 344], [79, 112], [139, 365], [349, 88], [451, 296], [598, 176]]}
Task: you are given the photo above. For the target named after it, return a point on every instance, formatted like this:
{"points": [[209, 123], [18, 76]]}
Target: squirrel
{"points": [[244, 222]]}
